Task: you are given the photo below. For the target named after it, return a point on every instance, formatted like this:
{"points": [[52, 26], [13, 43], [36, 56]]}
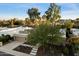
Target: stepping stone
{"points": [[33, 53], [35, 49]]}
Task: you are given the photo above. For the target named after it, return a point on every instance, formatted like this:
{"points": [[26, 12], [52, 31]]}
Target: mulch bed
{"points": [[40, 51], [24, 49]]}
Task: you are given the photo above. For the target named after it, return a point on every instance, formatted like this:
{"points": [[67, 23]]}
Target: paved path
{"points": [[8, 48], [4, 54]]}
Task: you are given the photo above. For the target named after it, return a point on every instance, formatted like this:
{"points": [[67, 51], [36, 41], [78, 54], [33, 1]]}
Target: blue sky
{"points": [[19, 10], [69, 10]]}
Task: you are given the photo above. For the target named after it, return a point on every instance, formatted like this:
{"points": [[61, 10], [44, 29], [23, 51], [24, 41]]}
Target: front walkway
{"points": [[8, 48], [4, 54]]}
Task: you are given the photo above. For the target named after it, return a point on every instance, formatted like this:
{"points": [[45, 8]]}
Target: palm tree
{"points": [[33, 13]]}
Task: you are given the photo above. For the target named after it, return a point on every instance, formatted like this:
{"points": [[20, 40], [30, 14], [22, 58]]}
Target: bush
{"points": [[5, 38], [45, 34]]}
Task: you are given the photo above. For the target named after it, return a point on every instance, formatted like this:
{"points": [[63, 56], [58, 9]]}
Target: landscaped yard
{"points": [[44, 37]]}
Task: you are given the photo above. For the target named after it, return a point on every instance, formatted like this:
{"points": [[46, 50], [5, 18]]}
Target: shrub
{"points": [[5, 38], [45, 34]]}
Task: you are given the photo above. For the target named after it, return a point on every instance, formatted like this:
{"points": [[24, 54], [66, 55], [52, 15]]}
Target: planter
{"points": [[1, 44]]}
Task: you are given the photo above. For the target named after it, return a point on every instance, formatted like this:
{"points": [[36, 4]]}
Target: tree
{"points": [[53, 12], [69, 23], [43, 35], [33, 13], [18, 22], [77, 18], [12, 22], [44, 17]]}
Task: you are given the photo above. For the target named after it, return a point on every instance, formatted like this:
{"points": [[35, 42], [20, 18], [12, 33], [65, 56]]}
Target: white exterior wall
{"points": [[12, 31]]}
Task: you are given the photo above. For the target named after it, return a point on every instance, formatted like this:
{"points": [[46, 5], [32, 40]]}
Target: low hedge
{"points": [[5, 38]]}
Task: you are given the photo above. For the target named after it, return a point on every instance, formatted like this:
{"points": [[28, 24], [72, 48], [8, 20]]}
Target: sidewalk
{"points": [[4, 54], [8, 48]]}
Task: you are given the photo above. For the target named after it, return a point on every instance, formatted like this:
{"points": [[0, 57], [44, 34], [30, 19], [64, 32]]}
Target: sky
{"points": [[19, 10], [69, 10]]}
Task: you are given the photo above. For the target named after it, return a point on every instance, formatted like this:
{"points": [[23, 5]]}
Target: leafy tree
{"points": [[44, 17], [13, 21], [53, 12], [27, 21], [33, 13], [18, 22], [77, 18], [4, 23], [69, 24]]}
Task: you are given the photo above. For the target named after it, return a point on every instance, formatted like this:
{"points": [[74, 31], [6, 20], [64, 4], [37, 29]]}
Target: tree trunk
{"points": [[70, 49]]}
